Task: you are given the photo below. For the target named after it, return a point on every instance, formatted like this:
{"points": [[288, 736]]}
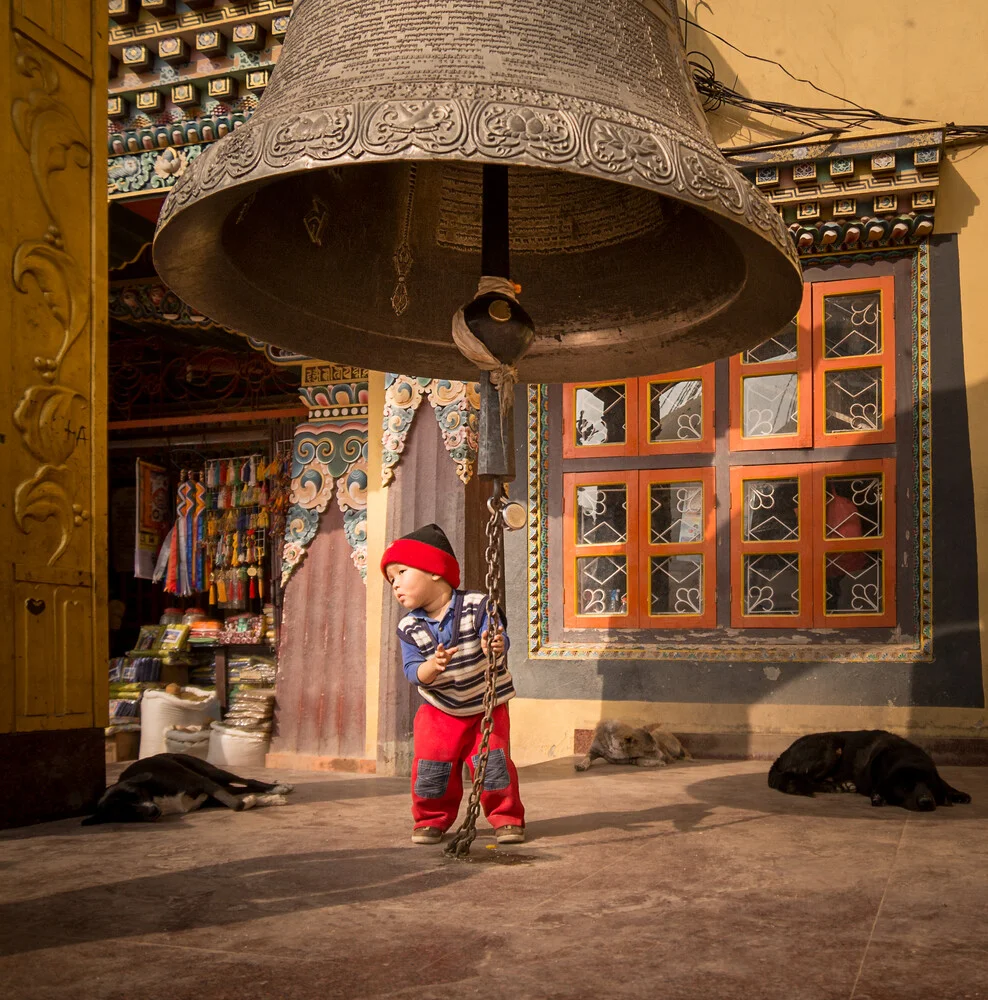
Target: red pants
{"points": [[442, 743]]}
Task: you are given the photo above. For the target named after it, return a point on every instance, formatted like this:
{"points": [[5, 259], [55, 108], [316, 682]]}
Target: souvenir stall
{"points": [[199, 677]]}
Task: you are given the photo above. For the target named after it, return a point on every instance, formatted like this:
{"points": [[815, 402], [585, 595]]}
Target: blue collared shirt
{"points": [[441, 631]]}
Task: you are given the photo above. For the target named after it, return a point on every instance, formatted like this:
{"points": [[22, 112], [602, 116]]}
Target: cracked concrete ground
{"points": [[687, 882]]}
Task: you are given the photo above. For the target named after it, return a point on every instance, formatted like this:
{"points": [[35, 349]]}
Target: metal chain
{"points": [[459, 846]]}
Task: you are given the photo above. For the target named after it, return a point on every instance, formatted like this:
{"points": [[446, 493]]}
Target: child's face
{"points": [[414, 588]]}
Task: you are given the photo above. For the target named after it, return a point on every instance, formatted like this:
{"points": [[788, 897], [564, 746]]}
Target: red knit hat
{"points": [[427, 549]]}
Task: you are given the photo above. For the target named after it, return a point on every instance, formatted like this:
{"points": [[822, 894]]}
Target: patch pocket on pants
{"points": [[432, 778], [497, 776]]}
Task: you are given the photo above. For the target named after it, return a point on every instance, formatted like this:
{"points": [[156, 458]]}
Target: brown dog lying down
{"points": [[619, 743]]}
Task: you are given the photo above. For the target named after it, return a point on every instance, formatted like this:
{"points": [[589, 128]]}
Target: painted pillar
{"points": [[433, 482], [321, 711]]}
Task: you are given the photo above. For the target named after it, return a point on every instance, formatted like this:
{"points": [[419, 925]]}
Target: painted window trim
{"points": [[801, 546], [801, 366], [705, 547], [628, 447], [884, 359], [813, 546], [886, 542], [572, 551], [707, 441]]}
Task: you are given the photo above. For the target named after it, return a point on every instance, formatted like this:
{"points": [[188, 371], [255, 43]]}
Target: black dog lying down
{"points": [[179, 783], [886, 767]]}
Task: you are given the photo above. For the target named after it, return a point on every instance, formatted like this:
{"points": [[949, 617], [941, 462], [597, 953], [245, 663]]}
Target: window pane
{"points": [[602, 514], [771, 584], [854, 506], [770, 404], [677, 585], [854, 583], [771, 510], [853, 400], [675, 513], [781, 347], [601, 414], [602, 585], [852, 325], [675, 411]]}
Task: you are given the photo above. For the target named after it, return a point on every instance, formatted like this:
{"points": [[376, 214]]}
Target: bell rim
{"points": [[195, 218]]}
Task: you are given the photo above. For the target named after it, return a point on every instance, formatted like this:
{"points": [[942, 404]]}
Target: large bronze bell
{"points": [[344, 219]]}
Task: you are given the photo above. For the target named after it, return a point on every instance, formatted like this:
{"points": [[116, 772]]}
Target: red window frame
{"points": [[884, 359], [802, 546], [801, 366], [885, 542], [572, 551], [813, 546], [707, 441], [631, 423], [705, 547]]}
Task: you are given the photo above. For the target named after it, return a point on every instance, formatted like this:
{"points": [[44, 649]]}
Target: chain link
{"points": [[459, 846]]}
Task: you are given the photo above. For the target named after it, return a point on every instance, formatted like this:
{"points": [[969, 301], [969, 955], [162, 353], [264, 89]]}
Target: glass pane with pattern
{"points": [[854, 506], [602, 585], [771, 584], [675, 513], [601, 414], [771, 510], [854, 583], [782, 347], [676, 585], [675, 411], [852, 325], [770, 405], [602, 514], [853, 400]]}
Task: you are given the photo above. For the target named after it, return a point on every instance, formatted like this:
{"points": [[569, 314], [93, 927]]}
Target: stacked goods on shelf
{"points": [[202, 674], [206, 632], [256, 671], [270, 636], [245, 733]]}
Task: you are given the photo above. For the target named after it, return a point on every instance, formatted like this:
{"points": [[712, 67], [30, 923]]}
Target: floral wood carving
{"points": [[456, 405], [53, 140]]}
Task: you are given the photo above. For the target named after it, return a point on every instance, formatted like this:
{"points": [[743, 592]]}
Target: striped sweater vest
{"points": [[459, 689]]}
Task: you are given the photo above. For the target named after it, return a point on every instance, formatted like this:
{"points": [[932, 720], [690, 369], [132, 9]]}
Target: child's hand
{"points": [[431, 668], [497, 643]]}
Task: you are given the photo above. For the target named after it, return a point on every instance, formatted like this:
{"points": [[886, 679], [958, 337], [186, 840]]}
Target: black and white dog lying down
{"points": [[179, 783], [885, 767]]}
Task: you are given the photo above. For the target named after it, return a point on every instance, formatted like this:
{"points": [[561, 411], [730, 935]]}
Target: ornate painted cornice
{"points": [[456, 405], [191, 21], [847, 194]]}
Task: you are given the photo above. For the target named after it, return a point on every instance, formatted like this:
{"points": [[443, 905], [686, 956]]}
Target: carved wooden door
{"points": [[53, 365]]}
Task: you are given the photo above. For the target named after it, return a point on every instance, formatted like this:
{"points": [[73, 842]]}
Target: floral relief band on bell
{"points": [[427, 549]]}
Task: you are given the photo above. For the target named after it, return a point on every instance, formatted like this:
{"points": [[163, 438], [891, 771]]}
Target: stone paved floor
{"points": [[693, 882]]}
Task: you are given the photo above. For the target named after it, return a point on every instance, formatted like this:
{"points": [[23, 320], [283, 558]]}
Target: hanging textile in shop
{"points": [[153, 516]]}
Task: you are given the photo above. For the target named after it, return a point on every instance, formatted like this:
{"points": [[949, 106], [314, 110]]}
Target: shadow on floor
{"points": [[220, 894], [751, 791]]}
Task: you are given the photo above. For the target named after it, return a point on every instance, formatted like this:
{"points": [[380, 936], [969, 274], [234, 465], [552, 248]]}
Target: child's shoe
{"points": [[510, 835], [427, 835]]}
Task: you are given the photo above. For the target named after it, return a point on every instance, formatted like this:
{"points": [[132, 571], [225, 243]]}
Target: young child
{"points": [[444, 640]]}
